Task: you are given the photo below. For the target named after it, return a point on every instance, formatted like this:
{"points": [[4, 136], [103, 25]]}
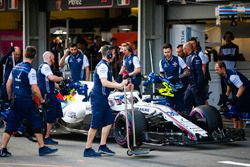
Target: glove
{"points": [[125, 75], [234, 100], [43, 105], [223, 99], [173, 80]]}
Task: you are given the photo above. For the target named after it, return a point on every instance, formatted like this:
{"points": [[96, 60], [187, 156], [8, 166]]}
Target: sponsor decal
{"points": [[71, 115], [143, 109]]}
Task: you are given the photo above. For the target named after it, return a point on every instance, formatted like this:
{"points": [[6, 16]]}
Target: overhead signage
{"points": [[60, 5], [89, 4]]}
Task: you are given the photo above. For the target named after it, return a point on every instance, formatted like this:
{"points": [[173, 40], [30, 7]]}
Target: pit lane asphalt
{"points": [[24, 154]]}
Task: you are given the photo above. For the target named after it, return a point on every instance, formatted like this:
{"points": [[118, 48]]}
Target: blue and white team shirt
{"points": [[135, 62], [204, 57], [46, 86], [23, 76], [77, 64], [103, 70], [172, 67]]}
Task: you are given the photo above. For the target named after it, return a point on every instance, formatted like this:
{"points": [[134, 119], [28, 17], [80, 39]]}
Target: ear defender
{"points": [[130, 49], [109, 55]]}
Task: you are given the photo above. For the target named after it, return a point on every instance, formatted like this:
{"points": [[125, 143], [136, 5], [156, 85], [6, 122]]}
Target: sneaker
{"points": [[50, 141], [103, 149], [4, 152], [46, 150], [89, 152]]}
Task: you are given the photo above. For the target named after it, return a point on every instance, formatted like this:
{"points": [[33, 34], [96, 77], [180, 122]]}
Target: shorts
{"points": [[53, 108], [23, 109], [101, 112]]}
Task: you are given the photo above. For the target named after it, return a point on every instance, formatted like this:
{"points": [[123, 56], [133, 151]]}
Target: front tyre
{"points": [[120, 132], [207, 117]]}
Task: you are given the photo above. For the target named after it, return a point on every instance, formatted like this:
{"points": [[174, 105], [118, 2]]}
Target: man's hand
{"points": [[234, 100], [173, 80], [67, 52], [124, 82], [223, 99], [130, 87]]}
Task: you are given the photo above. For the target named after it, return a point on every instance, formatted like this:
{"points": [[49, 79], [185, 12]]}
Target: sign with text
{"points": [[60, 5], [89, 4]]}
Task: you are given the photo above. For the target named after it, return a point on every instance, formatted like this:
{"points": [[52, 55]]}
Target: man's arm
{"points": [[37, 93], [137, 66], [46, 70], [114, 85], [229, 90], [123, 68], [86, 67], [55, 78], [62, 61], [240, 91], [185, 73], [8, 87], [135, 72], [87, 73], [199, 72], [204, 69]]}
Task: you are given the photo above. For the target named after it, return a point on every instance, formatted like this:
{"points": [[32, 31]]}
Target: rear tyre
{"points": [[207, 117], [120, 133]]}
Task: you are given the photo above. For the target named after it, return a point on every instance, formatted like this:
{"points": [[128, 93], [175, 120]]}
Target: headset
{"points": [[130, 49], [109, 54], [229, 33]]}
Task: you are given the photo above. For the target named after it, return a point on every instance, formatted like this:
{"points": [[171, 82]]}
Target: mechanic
{"points": [[131, 65], [181, 54], [205, 65], [21, 84], [7, 60], [228, 53], [194, 95], [239, 86], [46, 83], [170, 67], [101, 112], [78, 63]]}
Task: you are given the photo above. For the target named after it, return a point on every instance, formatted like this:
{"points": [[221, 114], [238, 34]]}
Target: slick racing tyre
{"points": [[207, 117], [119, 128]]}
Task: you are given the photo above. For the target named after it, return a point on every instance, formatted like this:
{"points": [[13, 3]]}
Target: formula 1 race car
{"points": [[155, 122], [160, 125]]}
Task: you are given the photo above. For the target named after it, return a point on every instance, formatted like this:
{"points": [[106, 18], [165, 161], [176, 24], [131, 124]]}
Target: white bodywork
{"points": [[75, 110]]}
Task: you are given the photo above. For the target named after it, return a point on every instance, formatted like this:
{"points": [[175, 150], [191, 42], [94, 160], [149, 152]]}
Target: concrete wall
{"points": [[151, 37]]}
